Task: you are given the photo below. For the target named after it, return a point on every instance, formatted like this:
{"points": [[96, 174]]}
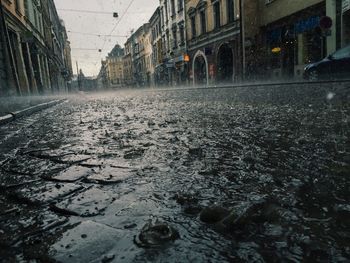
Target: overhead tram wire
{"points": [[89, 11], [87, 49], [85, 11], [97, 35], [118, 22]]}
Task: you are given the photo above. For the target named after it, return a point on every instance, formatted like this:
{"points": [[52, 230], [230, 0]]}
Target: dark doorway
{"points": [[225, 64], [200, 71]]}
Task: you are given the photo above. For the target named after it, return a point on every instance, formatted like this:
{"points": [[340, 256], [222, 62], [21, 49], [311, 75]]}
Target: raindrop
{"points": [[330, 96]]}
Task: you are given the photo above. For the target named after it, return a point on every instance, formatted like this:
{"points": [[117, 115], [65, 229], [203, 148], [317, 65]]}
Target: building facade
{"points": [[14, 29], [102, 78], [214, 45], [127, 63], [157, 48], [30, 61], [141, 56], [224, 41], [35, 50], [293, 37], [173, 28], [115, 67]]}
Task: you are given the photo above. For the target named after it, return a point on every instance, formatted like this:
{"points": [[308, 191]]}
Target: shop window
{"points": [[313, 47]]}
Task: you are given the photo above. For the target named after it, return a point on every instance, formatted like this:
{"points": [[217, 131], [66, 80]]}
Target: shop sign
{"points": [[276, 50], [346, 5], [326, 22], [307, 24], [182, 58], [179, 59]]}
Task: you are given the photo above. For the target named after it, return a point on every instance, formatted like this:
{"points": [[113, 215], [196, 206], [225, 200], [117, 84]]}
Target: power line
{"points": [[120, 19], [98, 35], [77, 48], [85, 11], [91, 11]]}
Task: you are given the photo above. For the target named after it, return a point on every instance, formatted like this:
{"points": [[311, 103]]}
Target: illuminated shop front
{"points": [[293, 42]]}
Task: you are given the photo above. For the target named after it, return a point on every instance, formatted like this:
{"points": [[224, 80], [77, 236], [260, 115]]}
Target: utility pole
{"points": [[242, 28]]}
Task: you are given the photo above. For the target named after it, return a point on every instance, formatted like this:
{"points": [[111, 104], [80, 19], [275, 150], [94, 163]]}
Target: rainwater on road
{"points": [[257, 174]]}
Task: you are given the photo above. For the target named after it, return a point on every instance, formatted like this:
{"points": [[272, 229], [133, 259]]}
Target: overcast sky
{"points": [[80, 24]]}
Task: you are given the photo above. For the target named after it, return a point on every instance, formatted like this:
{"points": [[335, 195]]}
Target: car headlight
{"points": [[307, 67]]}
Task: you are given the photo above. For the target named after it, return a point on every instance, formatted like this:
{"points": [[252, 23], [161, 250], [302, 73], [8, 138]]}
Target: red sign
{"points": [[211, 70]]}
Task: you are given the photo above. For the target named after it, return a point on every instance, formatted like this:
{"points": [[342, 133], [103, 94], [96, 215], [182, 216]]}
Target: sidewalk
{"points": [[12, 107]]}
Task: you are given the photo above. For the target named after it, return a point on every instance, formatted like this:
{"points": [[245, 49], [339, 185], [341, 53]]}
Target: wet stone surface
{"points": [[197, 175]]}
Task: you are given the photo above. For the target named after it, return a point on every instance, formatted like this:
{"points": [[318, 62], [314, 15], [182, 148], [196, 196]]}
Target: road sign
{"points": [[326, 22]]}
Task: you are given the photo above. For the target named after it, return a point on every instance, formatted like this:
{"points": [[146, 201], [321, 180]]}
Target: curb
{"points": [[28, 111]]}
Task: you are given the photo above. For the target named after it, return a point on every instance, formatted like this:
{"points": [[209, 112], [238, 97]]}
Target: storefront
{"points": [[181, 70], [217, 62], [293, 42]]}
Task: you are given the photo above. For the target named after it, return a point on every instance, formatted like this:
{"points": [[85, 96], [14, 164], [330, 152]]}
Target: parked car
{"points": [[334, 66]]}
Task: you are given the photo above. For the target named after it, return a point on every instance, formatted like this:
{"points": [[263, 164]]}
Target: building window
{"points": [[180, 5], [17, 5], [162, 17], [166, 11], [193, 26], [203, 22], [26, 10], [173, 11], [182, 35], [174, 38], [230, 11], [217, 18], [168, 40]]}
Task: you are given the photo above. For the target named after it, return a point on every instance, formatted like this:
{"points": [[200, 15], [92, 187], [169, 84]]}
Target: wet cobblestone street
{"points": [[255, 174]]}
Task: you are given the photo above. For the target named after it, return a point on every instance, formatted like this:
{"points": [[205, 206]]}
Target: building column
{"points": [[31, 78], [22, 74], [47, 73]]}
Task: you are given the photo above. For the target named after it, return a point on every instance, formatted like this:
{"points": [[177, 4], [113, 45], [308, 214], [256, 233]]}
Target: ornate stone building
{"points": [[173, 28], [214, 43], [34, 48]]}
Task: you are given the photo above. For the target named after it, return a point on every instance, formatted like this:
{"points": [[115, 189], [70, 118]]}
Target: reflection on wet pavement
{"points": [[179, 176]]}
